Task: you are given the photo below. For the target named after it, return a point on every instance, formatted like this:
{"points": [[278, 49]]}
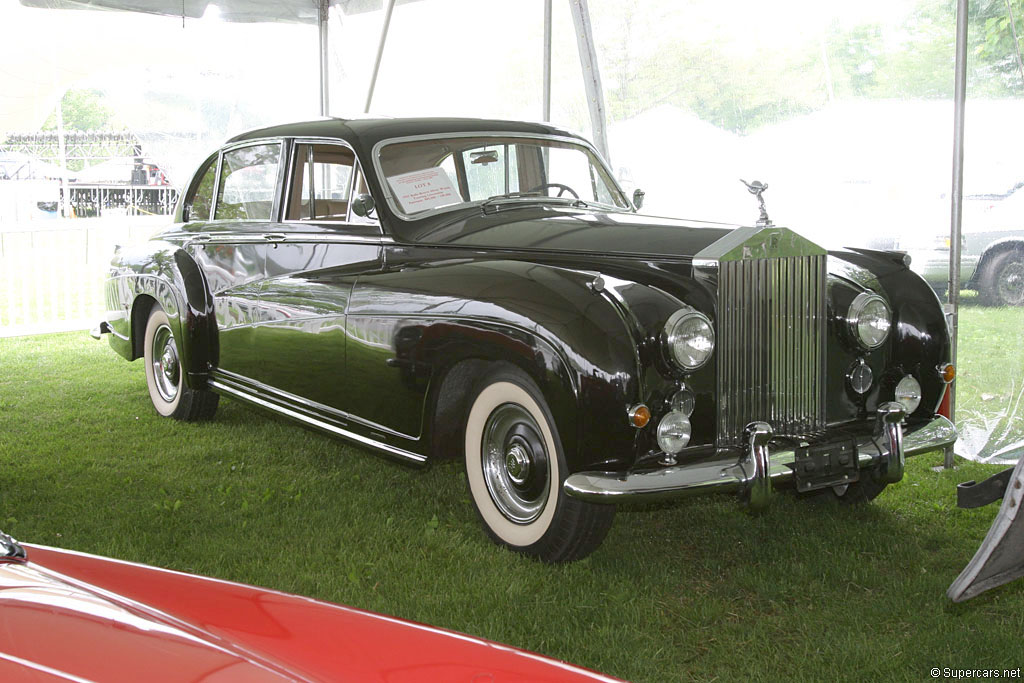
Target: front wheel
{"points": [[165, 376], [515, 469]]}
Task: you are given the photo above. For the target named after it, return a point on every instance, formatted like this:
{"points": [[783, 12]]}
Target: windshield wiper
{"points": [[496, 200]]}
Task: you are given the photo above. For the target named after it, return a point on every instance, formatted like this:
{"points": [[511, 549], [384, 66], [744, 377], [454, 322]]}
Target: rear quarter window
{"points": [[199, 203]]}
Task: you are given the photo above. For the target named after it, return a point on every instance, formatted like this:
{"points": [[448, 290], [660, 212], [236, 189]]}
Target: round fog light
{"points": [[860, 377], [908, 394], [673, 432], [682, 402]]}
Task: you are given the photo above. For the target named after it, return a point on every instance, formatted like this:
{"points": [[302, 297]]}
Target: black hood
{"points": [[558, 228]]}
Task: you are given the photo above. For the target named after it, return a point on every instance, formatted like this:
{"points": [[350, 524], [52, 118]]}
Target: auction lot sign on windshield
{"points": [[422, 190]]}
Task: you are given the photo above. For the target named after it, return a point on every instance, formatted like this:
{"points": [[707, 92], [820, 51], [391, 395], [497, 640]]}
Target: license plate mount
{"points": [[822, 465]]}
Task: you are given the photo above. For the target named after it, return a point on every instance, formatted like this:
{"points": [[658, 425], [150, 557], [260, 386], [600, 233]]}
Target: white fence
{"points": [[52, 272]]}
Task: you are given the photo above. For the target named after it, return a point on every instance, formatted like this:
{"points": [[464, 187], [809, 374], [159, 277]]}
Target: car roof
{"points": [[366, 132]]}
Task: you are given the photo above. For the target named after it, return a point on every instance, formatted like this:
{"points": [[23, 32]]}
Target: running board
{"points": [[1000, 559], [233, 391]]}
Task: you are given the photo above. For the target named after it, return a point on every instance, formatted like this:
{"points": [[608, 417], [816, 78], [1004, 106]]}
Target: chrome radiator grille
{"points": [[771, 345]]}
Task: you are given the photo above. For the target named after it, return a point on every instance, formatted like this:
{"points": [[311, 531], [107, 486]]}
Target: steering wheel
{"points": [[562, 189]]}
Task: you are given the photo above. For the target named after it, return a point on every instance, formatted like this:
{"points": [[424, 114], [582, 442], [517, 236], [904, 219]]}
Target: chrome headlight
{"points": [[689, 338], [870, 319], [908, 394]]}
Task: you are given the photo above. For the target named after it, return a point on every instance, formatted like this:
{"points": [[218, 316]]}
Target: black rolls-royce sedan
{"points": [[484, 289]]}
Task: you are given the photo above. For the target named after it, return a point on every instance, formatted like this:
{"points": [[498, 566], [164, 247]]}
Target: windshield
{"points": [[431, 175]]}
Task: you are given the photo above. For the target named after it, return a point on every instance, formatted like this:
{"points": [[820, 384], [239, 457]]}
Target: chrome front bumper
{"points": [[761, 467]]}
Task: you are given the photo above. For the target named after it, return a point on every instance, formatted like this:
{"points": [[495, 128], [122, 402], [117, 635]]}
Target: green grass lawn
{"points": [[697, 590]]}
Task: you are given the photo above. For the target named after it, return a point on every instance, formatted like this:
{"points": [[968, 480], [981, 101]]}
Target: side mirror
{"points": [[363, 205], [638, 199]]}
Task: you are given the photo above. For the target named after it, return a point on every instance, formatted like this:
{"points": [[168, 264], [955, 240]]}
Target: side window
{"points": [[197, 207], [327, 169], [248, 179]]}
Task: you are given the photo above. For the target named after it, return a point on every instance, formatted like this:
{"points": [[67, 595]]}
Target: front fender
{"points": [[569, 337], [165, 273], [921, 342]]}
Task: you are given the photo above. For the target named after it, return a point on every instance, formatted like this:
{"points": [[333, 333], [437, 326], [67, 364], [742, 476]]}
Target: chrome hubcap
{"points": [[166, 368], [1011, 285], [515, 463]]}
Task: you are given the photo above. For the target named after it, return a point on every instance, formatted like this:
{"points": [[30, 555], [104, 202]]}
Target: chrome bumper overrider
{"points": [[754, 474], [100, 330]]}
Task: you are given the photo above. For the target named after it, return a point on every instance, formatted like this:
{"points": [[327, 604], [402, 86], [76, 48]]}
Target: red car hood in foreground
{"points": [[67, 616]]}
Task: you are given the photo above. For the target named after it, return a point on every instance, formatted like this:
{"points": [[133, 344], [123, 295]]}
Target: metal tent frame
{"points": [[318, 12]]}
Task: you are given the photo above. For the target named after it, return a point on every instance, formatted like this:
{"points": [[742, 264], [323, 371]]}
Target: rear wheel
{"points": [[1002, 282], [165, 375], [515, 469]]}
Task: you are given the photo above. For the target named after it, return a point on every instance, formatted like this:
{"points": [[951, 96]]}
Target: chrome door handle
{"points": [[275, 237]]}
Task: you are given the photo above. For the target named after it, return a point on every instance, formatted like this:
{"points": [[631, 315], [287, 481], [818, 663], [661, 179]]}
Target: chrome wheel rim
{"points": [[166, 367], [1011, 283], [515, 463]]}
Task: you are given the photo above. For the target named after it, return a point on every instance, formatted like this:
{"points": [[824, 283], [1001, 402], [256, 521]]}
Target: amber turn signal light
{"points": [[947, 372], [639, 415]]}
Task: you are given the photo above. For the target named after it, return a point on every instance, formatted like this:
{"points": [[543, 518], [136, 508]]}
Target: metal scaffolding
{"points": [[85, 146]]}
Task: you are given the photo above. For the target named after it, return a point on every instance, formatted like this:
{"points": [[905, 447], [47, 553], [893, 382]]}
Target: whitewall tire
{"points": [[515, 469], [165, 374]]}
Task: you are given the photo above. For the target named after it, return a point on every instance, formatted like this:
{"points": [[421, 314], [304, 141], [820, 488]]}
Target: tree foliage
{"points": [[1000, 28], [911, 57], [83, 110]]}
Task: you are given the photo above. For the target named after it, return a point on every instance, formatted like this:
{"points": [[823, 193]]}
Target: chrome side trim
{"points": [[250, 385], [723, 472], [335, 223], [120, 336], [299, 237], [316, 423]]}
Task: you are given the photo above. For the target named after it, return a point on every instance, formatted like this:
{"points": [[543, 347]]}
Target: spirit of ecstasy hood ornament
{"points": [[757, 188]]}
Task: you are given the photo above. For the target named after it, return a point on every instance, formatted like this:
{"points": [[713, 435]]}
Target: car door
{"points": [[312, 263], [231, 247]]}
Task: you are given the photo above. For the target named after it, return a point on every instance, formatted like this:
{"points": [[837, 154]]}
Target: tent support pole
{"points": [[323, 14], [547, 61], [953, 292], [591, 74], [380, 54]]}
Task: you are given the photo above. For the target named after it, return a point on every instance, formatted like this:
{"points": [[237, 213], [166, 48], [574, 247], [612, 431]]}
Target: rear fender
{"points": [[168, 275]]}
